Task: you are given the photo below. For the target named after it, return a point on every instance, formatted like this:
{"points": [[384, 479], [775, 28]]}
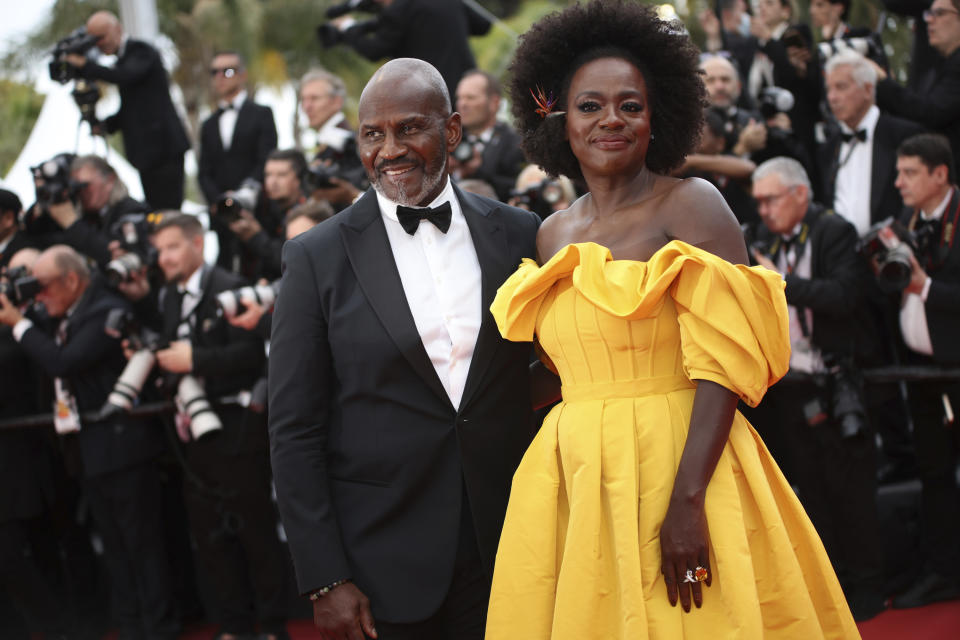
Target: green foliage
{"points": [[19, 108]]}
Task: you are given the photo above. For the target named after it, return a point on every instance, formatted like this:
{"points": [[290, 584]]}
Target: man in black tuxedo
{"points": [[935, 99], [397, 413], [832, 462], [153, 136], [236, 138], [120, 480], [490, 150], [11, 238], [227, 491], [929, 317], [859, 158], [435, 31]]}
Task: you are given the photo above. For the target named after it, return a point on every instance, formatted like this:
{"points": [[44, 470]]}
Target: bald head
{"points": [[24, 258], [108, 29], [416, 76], [63, 275], [721, 80]]}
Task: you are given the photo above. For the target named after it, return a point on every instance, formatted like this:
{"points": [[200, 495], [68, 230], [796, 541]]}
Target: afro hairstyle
{"points": [[556, 46]]}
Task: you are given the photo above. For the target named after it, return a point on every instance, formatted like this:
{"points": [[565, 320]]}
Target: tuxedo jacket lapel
{"points": [[490, 241], [884, 162], [368, 250]]}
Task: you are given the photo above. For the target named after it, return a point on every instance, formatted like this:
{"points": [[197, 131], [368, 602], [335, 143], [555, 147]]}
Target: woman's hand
{"points": [[684, 546]]}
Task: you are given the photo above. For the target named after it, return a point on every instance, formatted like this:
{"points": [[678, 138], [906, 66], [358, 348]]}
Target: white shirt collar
{"points": [[332, 134], [795, 232], [389, 208], [938, 212], [777, 31], [868, 122], [236, 103], [193, 283], [123, 45]]}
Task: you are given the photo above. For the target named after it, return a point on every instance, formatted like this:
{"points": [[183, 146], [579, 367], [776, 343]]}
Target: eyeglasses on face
{"points": [[228, 72], [765, 201], [939, 12]]}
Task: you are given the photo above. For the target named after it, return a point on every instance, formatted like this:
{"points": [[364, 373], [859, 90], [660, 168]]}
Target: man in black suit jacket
{"points": [[11, 238], [227, 492], [236, 138], [435, 31], [397, 413], [490, 150], [153, 136], [854, 167], [934, 101], [832, 464], [929, 317], [120, 480]]}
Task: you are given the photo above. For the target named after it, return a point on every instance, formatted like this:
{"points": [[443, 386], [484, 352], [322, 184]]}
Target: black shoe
{"points": [[930, 587], [866, 605]]}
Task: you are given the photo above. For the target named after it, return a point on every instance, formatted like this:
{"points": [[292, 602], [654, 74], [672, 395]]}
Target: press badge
{"points": [[66, 418]]}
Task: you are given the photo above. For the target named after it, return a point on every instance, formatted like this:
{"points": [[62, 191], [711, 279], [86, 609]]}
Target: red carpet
{"points": [[933, 622]]}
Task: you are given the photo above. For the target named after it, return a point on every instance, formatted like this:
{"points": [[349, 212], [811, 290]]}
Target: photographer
{"points": [[490, 149], [88, 224], [261, 234], [228, 489], [153, 136], [929, 316], [815, 420], [236, 138], [11, 238], [336, 174], [538, 192], [120, 480], [432, 30]]}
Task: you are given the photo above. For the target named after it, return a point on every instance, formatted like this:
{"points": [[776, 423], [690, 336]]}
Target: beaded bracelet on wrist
{"points": [[319, 593]]}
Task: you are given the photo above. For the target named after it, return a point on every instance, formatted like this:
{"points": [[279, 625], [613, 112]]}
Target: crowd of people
{"points": [[382, 409]]}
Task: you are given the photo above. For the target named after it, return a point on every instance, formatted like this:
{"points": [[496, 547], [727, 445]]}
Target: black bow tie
{"points": [[410, 217], [859, 134]]}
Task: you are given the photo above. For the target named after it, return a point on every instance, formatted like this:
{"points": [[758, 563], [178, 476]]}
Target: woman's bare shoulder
{"points": [[696, 213]]}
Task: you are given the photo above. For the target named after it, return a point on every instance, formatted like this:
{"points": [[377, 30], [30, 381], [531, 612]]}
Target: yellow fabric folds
{"points": [[579, 557]]}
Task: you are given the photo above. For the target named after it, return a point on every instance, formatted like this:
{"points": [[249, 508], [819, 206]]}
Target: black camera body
{"points": [[54, 185], [847, 406], [78, 42], [228, 207], [893, 258], [123, 324], [774, 100], [539, 198], [466, 150], [132, 231], [328, 34], [19, 286]]}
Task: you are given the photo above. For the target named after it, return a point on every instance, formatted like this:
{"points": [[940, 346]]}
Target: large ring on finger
{"points": [[689, 577], [700, 574]]}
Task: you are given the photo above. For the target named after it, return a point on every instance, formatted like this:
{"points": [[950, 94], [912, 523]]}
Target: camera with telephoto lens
{"points": [[892, 254], [774, 100], [328, 34], [133, 233], [466, 149], [540, 197], [85, 93], [122, 324], [846, 396], [235, 301], [19, 286], [754, 240], [244, 197], [53, 182]]}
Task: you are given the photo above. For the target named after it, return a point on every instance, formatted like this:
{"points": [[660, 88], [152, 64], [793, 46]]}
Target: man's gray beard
{"points": [[430, 183]]}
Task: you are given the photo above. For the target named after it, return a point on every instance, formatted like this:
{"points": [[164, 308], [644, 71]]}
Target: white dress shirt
{"points": [[760, 74], [191, 293], [332, 135], [440, 274], [913, 315], [228, 118], [804, 356], [851, 197]]}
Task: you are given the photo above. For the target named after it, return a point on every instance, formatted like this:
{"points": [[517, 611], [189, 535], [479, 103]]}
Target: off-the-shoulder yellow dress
{"points": [[579, 557]]}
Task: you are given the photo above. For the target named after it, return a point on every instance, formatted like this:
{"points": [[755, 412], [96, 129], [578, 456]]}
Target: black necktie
{"points": [[859, 134], [410, 217]]}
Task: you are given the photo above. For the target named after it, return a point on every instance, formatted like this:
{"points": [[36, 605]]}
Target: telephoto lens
{"points": [[127, 388], [236, 301], [122, 269], [192, 399]]}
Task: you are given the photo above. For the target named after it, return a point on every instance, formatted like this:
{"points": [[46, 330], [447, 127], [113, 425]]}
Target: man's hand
{"points": [[468, 168], [246, 226], [764, 261], [344, 613], [9, 314], [799, 58], [753, 137], [250, 318], [63, 213], [136, 287], [76, 60], [177, 358], [342, 192], [918, 277]]}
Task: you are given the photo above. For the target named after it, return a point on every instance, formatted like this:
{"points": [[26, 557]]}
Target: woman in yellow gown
{"points": [[646, 507]]}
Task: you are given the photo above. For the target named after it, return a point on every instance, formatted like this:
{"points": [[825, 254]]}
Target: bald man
{"points": [[153, 136], [397, 413]]}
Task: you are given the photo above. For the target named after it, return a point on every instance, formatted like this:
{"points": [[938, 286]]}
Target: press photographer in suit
{"points": [[153, 136], [397, 413], [120, 480], [435, 31], [929, 317], [236, 138], [815, 419], [11, 238], [490, 150], [227, 491]]}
